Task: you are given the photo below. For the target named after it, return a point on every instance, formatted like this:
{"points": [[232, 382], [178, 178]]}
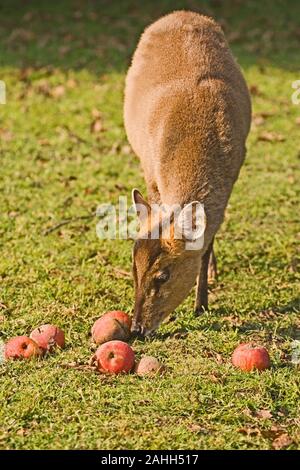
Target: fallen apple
{"points": [[113, 325], [148, 365], [114, 357], [48, 337], [21, 347], [248, 357]]}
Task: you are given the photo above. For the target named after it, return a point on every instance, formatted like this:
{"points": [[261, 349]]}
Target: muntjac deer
{"points": [[187, 116]]}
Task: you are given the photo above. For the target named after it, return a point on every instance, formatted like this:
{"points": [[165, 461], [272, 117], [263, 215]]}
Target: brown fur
{"points": [[187, 115]]}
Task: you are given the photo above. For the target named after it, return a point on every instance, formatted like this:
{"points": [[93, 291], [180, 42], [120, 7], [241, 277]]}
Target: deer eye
{"points": [[162, 277]]}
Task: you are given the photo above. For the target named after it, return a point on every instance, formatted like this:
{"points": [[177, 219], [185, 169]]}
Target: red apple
{"points": [[21, 347], [148, 365], [114, 357], [113, 325], [48, 337], [247, 357]]}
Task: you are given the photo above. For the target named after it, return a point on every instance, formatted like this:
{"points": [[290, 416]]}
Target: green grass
{"points": [[53, 168]]}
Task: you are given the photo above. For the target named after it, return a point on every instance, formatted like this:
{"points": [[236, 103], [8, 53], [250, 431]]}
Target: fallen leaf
{"points": [[249, 431], [71, 83], [247, 412], [96, 113], [63, 50], [197, 428], [28, 16], [264, 414], [219, 358], [6, 135], [297, 121], [234, 36], [282, 441], [44, 88], [25, 73], [44, 142], [216, 378], [126, 150], [20, 35], [121, 273], [254, 90], [58, 91], [77, 14], [268, 136], [96, 126], [258, 120]]}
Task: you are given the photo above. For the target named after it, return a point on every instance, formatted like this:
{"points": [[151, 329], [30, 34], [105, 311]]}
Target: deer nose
{"points": [[137, 331]]}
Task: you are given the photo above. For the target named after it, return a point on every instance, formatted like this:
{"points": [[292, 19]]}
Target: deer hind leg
{"points": [[201, 303]]}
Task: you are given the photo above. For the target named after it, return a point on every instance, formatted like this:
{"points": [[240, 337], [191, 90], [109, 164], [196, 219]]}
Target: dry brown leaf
{"points": [[126, 149], [219, 358], [96, 126], [197, 428], [25, 73], [6, 135], [28, 16], [58, 91], [121, 273], [96, 113], [269, 136], [71, 83], [298, 121], [249, 431], [254, 90], [44, 142], [63, 50], [264, 414], [234, 36], [257, 119], [282, 441], [21, 35]]}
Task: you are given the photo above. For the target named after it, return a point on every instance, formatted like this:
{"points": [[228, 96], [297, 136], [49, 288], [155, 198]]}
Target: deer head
{"points": [[166, 260]]}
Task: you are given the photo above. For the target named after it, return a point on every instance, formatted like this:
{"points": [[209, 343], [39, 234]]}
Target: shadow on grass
{"points": [[265, 319]]}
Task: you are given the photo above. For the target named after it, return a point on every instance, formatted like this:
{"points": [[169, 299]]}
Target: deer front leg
{"points": [[201, 303], [212, 272]]}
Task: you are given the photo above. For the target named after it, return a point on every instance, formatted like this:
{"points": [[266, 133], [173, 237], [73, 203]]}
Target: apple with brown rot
{"points": [[48, 337], [248, 357], [21, 347], [114, 357], [114, 325]]}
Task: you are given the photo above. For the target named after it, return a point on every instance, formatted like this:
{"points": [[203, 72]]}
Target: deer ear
{"points": [[190, 225], [142, 207]]}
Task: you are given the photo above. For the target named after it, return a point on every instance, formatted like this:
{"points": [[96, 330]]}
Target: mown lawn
{"points": [[63, 152]]}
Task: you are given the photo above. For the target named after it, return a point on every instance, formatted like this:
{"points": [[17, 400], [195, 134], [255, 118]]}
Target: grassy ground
{"points": [[64, 151]]}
